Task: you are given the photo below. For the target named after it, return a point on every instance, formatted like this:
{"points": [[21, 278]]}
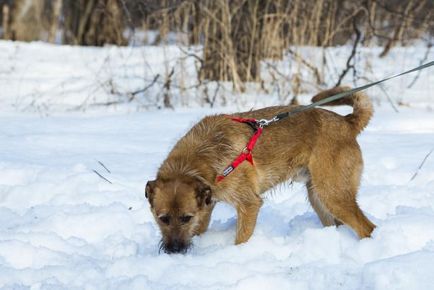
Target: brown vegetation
{"points": [[94, 22], [236, 35]]}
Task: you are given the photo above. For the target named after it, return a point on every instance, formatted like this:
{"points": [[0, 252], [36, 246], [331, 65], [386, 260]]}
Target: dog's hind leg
{"points": [[336, 187], [350, 214], [326, 218]]}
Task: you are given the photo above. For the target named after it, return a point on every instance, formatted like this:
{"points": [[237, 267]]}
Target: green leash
{"points": [[278, 117]]}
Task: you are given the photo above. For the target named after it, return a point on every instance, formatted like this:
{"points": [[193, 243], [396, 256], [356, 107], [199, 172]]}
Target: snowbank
{"points": [[44, 78], [63, 227]]}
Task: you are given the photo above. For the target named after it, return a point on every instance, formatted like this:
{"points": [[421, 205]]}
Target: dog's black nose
{"points": [[175, 246]]}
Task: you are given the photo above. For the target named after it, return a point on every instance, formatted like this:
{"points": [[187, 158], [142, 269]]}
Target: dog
{"points": [[315, 146]]}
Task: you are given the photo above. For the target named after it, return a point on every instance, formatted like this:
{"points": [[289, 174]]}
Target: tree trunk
{"points": [[5, 22], [27, 20], [164, 25], [57, 7]]}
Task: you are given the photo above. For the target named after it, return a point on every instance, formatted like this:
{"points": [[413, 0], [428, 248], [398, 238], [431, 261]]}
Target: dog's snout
{"points": [[175, 246]]}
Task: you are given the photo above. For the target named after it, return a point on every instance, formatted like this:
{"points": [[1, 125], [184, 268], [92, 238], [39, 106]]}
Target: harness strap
{"points": [[246, 154]]}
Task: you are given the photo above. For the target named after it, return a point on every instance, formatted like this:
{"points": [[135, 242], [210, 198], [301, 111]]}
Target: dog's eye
{"points": [[165, 219], [185, 218]]}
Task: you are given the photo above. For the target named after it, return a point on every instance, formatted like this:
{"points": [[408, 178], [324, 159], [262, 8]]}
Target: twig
{"points": [[102, 177], [307, 64], [133, 94], [381, 86], [188, 54], [274, 68], [352, 55], [421, 164], [425, 57], [275, 81], [213, 99], [102, 164], [388, 98], [166, 97]]}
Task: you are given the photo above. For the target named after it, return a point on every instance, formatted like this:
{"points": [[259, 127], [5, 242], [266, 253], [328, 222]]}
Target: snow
{"points": [[48, 79], [64, 227]]}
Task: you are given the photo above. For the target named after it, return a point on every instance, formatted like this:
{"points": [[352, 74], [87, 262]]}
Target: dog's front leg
{"points": [[247, 213], [205, 219]]}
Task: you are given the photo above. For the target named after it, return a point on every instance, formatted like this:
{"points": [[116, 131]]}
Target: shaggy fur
{"points": [[316, 146]]}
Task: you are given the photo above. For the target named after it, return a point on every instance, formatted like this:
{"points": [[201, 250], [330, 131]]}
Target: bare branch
{"points": [[102, 177], [308, 65], [421, 165], [349, 65], [425, 57], [132, 95], [102, 164]]}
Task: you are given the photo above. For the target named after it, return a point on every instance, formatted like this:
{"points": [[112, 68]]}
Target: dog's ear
{"points": [[150, 191], [203, 194]]}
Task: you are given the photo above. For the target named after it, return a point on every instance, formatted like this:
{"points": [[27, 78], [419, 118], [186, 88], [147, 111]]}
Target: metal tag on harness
{"points": [[228, 170]]}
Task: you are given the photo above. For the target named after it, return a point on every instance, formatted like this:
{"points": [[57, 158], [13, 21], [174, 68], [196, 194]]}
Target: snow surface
{"points": [[64, 227], [48, 79]]}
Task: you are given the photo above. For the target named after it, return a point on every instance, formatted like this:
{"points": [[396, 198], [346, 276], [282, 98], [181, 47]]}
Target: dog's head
{"points": [[178, 206]]}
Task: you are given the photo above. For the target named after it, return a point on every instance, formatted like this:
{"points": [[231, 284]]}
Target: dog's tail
{"points": [[362, 106]]}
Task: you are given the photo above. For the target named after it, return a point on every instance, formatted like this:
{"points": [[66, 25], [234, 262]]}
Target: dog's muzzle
{"points": [[175, 247]]}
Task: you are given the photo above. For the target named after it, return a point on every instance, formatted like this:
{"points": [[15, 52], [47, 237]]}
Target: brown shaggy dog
{"points": [[316, 146]]}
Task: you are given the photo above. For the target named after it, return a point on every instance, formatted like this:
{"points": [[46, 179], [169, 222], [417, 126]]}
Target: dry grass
{"points": [[237, 35]]}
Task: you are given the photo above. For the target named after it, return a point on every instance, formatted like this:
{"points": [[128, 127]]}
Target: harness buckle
{"points": [[264, 122]]}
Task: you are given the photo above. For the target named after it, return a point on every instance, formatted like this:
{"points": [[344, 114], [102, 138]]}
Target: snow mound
{"points": [[64, 227]]}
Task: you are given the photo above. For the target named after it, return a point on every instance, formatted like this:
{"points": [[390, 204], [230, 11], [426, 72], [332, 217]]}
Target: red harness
{"points": [[246, 154]]}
